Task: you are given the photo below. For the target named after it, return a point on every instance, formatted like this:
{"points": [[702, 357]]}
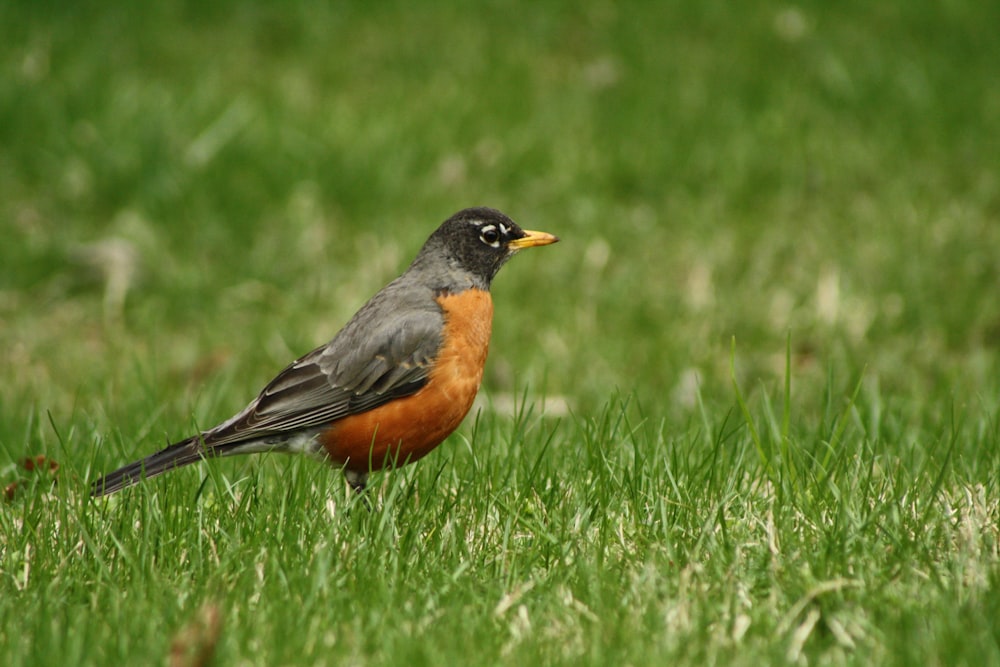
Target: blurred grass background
{"points": [[190, 189], [192, 194]]}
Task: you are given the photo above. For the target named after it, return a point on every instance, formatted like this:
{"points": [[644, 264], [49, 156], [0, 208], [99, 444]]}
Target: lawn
{"points": [[747, 410]]}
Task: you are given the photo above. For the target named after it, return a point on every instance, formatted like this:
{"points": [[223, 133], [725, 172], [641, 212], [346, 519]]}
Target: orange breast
{"points": [[406, 429]]}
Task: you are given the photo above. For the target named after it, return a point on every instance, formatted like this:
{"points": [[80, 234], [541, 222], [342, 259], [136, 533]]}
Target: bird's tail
{"points": [[177, 455]]}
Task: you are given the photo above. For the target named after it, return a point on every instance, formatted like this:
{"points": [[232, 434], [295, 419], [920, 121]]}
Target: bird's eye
{"points": [[490, 236]]}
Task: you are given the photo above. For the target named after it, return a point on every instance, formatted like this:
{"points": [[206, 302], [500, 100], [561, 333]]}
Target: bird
{"points": [[397, 379]]}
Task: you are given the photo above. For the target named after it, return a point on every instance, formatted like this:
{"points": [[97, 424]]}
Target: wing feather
{"points": [[383, 353]]}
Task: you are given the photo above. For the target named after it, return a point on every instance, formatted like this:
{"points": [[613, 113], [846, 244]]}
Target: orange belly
{"points": [[406, 429]]}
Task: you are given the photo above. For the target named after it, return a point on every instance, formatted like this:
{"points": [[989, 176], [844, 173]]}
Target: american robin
{"points": [[396, 380]]}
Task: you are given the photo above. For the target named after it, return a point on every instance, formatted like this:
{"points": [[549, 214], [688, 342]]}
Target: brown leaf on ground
{"points": [[40, 462], [194, 644], [33, 464], [10, 490]]}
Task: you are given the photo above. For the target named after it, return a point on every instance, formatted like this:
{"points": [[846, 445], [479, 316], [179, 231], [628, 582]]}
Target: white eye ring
{"points": [[490, 236]]}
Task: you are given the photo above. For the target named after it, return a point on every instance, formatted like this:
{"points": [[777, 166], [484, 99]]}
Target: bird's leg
{"points": [[358, 481]]}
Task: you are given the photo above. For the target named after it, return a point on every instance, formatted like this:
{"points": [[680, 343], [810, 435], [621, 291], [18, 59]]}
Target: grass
{"points": [[640, 545], [192, 195]]}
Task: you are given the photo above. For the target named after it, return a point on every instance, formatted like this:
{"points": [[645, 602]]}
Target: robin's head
{"points": [[475, 243]]}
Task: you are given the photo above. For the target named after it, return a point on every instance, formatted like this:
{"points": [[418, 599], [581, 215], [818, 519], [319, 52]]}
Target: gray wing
{"points": [[383, 353]]}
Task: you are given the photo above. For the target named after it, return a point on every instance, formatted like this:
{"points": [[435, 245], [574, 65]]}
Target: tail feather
{"points": [[177, 455]]}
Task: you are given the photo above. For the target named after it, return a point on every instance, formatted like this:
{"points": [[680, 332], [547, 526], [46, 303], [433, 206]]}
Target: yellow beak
{"points": [[532, 239]]}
